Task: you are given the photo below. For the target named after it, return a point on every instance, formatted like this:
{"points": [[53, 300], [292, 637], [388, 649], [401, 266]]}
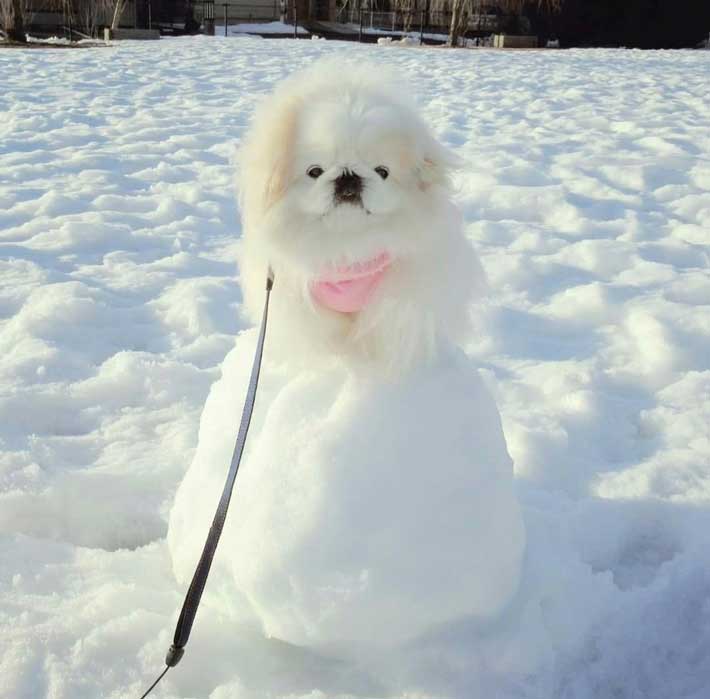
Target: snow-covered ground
{"points": [[587, 193], [257, 28]]}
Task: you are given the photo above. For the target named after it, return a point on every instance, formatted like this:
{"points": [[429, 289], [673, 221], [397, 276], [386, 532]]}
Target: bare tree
{"points": [[407, 9], [90, 14], [461, 11], [12, 20], [119, 7], [16, 15]]}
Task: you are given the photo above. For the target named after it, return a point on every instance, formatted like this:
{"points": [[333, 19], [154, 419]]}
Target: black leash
{"points": [[199, 579]]}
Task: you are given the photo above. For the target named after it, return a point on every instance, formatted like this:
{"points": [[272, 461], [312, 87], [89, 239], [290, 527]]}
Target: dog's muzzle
{"points": [[348, 188]]}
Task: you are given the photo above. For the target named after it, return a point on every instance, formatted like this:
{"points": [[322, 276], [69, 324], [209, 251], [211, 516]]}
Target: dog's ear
{"points": [[436, 163], [266, 157], [280, 163]]}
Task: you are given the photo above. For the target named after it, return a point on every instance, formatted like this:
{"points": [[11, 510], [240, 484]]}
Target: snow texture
{"points": [[586, 193], [349, 488]]}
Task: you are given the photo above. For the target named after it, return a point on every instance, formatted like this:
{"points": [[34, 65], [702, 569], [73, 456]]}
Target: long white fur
{"points": [[341, 115]]}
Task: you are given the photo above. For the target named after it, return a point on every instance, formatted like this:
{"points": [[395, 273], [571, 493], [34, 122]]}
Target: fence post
{"points": [[421, 27], [295, 19], [359, 12], [208, 17]]}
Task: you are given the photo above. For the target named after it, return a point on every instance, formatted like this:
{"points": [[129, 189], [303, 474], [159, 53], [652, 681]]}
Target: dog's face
{"points": [[337, 173], [353, 162], [346, 178]]}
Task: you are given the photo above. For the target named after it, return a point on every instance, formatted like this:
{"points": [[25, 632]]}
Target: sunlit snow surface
{"points": [[587, 193]]}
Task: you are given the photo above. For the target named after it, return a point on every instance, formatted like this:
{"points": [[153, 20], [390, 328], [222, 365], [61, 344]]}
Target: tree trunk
{"points": [[16, 31], [117, 13], [407, 8], [459, 21]]}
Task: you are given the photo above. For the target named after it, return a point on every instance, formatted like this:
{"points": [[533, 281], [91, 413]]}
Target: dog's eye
{"points": [[382, 171], [314, 171]]}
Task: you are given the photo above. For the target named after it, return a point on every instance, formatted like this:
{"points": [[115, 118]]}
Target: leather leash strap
{"points": [[199, 579]]}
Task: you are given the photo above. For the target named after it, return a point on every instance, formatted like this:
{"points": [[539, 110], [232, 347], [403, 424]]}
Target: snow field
{"points": [[586, 192]]}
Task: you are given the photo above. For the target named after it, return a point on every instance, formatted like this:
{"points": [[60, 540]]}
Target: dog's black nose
{"points": [[348, 187]]}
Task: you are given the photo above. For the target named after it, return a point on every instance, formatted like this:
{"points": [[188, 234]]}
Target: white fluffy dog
{"points": [[325, 129], [375, 504]]}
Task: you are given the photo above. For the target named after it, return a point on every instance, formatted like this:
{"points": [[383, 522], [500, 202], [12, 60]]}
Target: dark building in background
{"points": [[170, 15], [646, 24]]}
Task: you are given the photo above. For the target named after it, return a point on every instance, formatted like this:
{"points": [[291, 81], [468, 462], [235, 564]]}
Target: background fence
{"points": [[430, 24], [225, 13], [406, 20]]}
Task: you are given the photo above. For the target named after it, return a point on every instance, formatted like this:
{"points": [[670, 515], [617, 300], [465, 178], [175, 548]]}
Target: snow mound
{"points": [[367, 510]]}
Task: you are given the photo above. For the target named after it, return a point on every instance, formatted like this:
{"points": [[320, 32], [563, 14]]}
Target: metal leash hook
{"points": [[199, 579]]}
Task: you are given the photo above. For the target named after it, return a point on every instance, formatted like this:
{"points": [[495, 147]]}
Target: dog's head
{"points": [[340, 175]]}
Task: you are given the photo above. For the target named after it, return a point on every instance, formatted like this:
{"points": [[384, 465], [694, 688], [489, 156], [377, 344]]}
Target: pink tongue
{"points": [[348, 289]]}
